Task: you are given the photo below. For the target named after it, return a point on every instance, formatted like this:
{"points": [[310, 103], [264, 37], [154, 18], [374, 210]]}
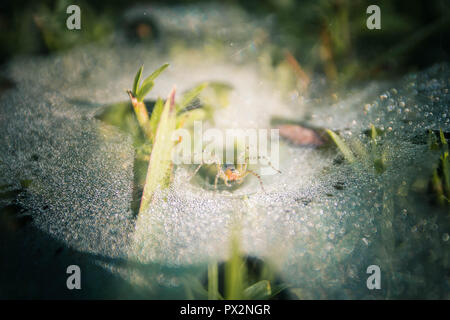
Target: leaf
{"points": [[373, 133], [438, 187], [301, 135], [160, 165], [141, 113], [258, 291], [278, 289], [442, 137], [446, 173], [195, 288], [156, 115], [137, 79], [235, 272], [154, 75], [144, 90], [190, 95], [186, 119], [342, 146], [213, 282], [360, 151]]}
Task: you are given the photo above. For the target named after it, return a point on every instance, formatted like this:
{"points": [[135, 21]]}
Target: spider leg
{"points": [[269, 163], [257, 176], [244, 174], [196, 170], [215, 181], [220, 174], [224, 178], [217, 176], [247, 158], [244, 167]]}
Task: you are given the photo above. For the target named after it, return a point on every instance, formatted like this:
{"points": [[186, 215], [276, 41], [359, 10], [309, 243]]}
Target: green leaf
{"points": [[278, 289], [160, 165], [154, 75], [190, 96], [432, 141], [235, 272], [438, 187], [258, 291], [348, 154], [373, 133], [137, 79], [378, 164], [446, 173], [194, 288], [186, 119], [443, 140], [156, 115], [144, 90], [213, 282]]}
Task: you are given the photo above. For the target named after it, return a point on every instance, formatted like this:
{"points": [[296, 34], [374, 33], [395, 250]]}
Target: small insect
{"points": [[234, 173]]}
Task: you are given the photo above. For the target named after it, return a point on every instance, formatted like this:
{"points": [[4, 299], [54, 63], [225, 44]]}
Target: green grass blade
{"points": [[186, 119], [213, 281], [278, 289], [160, 164], [342, 146], [438, 187], [235, 271], [443, 140], [141, 113], [259, 291], [137, 79], [446, 174], [189, 96], [194, 288], [154, 75], [144, 90], [156, 115], [373, 133]]}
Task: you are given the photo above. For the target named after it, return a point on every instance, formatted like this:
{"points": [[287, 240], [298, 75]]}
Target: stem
{"points": [[235, 271], [213, 281], [141, 114]]}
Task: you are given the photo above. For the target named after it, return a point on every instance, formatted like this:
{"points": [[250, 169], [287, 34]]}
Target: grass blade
{"points": [[213, 281], [342, 146], [144, 90], [443, 140], [137, 79], [156, 115], [141, 113], [154, 75], [186, 119], [160, 164], [235, 271], [446, 174], [189, 96], [259, 291]]}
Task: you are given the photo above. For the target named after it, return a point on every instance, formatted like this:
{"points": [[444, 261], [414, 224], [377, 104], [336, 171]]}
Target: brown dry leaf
{"points": [[299, 135]]}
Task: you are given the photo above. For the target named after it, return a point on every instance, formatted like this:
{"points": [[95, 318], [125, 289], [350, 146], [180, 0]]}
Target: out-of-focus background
{"points": [[328, 37]]}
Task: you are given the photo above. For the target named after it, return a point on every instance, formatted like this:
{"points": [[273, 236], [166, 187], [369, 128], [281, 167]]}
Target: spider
{"points": [[234, 173]]}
